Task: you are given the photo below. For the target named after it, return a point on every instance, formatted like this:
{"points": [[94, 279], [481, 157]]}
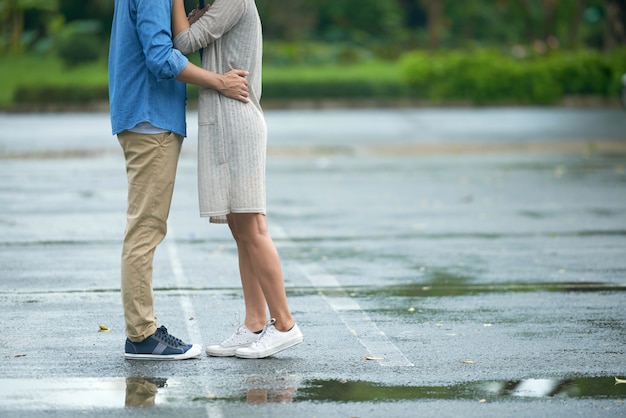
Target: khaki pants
{"points": [[151, 162]]}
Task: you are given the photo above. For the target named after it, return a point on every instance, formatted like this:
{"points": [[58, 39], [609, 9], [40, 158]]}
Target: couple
{"points": [[147, 90]]}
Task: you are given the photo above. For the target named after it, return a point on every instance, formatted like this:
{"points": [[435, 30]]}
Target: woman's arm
{"points": [[233, 84], [179, 17], [220, 18]]}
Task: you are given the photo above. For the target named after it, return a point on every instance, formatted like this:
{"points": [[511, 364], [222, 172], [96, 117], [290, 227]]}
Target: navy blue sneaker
{"points": [[161, 346]]}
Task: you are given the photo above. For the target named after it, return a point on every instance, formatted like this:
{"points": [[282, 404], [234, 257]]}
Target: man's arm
{"points": [[233, 84]]}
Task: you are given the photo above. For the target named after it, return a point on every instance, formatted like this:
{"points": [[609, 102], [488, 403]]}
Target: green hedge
{"points": [[335, 89], [35, 95], [491, 77], [481, 77]]}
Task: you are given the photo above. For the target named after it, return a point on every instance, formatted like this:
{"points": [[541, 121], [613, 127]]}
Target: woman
{"points": [[231, 170]]}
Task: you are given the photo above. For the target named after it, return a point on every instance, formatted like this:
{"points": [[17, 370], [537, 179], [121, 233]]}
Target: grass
{"points": [[374, 71], [29, 70], [46, 71]]}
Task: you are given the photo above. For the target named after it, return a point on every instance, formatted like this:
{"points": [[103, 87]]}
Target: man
{"points": [[147, 97]]}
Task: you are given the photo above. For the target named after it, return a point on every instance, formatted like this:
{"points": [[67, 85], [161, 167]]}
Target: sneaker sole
{"points": [[194, 352], [271, 351], [223, 352]]}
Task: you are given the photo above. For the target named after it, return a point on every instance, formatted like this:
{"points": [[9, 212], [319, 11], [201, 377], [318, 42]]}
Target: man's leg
{"points": [[151, 162]]}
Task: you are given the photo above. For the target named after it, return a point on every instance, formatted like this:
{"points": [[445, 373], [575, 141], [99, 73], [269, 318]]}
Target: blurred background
{"points": [[414, 52]]}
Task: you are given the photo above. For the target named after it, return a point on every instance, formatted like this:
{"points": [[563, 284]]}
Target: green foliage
{"points": [[481, 77], [39, 72], [589, 72], [281, 54], [75, 94], [374, 79], [79, 43], [487, 76]]}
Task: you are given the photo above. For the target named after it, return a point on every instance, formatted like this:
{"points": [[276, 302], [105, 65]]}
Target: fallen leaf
{"points": [[411, 309], [104, 329], [483, 400], [619, 381], [468, 362], [18, 355], [487, 325], [373, 358], [439, 325]]}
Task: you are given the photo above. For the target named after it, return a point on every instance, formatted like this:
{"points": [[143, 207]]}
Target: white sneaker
{"points": [[271, 342], [242, 337]]}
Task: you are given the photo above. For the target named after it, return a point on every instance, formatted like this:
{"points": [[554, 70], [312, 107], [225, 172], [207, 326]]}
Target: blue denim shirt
{"points": [[143, 65]]}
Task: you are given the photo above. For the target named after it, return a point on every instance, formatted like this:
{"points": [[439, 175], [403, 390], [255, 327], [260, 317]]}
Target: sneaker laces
{"points": [[167, 338], [269, 329], [239, 331]]}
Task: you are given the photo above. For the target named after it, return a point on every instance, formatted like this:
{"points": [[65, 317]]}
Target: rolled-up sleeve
{"points": [[218, 20], [155, 34]]}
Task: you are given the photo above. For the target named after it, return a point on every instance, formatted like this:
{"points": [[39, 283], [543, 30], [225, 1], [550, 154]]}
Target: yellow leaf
{"points": [[373, 358], [103, 328], [468, 362], [619, 381]]}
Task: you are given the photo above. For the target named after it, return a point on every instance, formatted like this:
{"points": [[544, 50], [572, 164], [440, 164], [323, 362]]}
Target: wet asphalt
{"points": [[440, 262]]}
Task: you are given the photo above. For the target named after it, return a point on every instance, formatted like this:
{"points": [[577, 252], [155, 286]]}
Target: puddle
{"points": [[347, 391], [445, 290], [102, 393]]}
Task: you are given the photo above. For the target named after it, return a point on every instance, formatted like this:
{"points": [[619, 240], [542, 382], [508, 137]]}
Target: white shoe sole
{"points": [[245, 353], [217, 351]]}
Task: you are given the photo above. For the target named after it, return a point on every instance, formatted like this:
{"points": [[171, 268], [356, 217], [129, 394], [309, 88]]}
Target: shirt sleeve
{"points": [[217, 21], [155, 34]]}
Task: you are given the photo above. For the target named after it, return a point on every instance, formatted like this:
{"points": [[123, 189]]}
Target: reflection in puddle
{"points": [[356, 391], [115, 393], [452, 289], [277, 390], [141, 392]]}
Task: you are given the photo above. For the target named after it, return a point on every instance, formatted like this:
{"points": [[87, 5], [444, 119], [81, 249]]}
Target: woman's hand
{"points": [[197, 13]]}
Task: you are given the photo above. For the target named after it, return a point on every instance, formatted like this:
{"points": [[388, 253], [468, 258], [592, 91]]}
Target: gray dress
{"points": [[232, 136]]}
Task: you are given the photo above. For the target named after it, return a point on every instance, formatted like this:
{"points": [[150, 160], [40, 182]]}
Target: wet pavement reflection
{"points": [[142, 391], [440, 262], [150, 392], [347, 391]]}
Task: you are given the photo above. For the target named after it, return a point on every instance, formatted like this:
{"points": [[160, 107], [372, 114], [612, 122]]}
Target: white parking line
{"points": [[356, 319], [351, 314], [193, 330]]}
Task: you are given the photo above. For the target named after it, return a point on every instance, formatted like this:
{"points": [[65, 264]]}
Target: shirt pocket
{"points": [[208, 106]]}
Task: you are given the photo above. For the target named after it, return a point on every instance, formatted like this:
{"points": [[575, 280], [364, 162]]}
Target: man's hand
{"points": [[197, 13], [235, 85]]}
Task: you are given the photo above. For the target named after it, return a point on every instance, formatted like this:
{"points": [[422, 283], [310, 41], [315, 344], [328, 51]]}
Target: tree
{"points": [[434, 12], [614, 15], [12, 19]]}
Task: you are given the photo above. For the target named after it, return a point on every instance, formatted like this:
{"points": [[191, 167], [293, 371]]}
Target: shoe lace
{"points": [[267, 332], [167, 338]]}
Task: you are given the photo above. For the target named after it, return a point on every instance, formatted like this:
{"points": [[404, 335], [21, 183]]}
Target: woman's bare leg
{"points": [[252, 293], [260, 269]]}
